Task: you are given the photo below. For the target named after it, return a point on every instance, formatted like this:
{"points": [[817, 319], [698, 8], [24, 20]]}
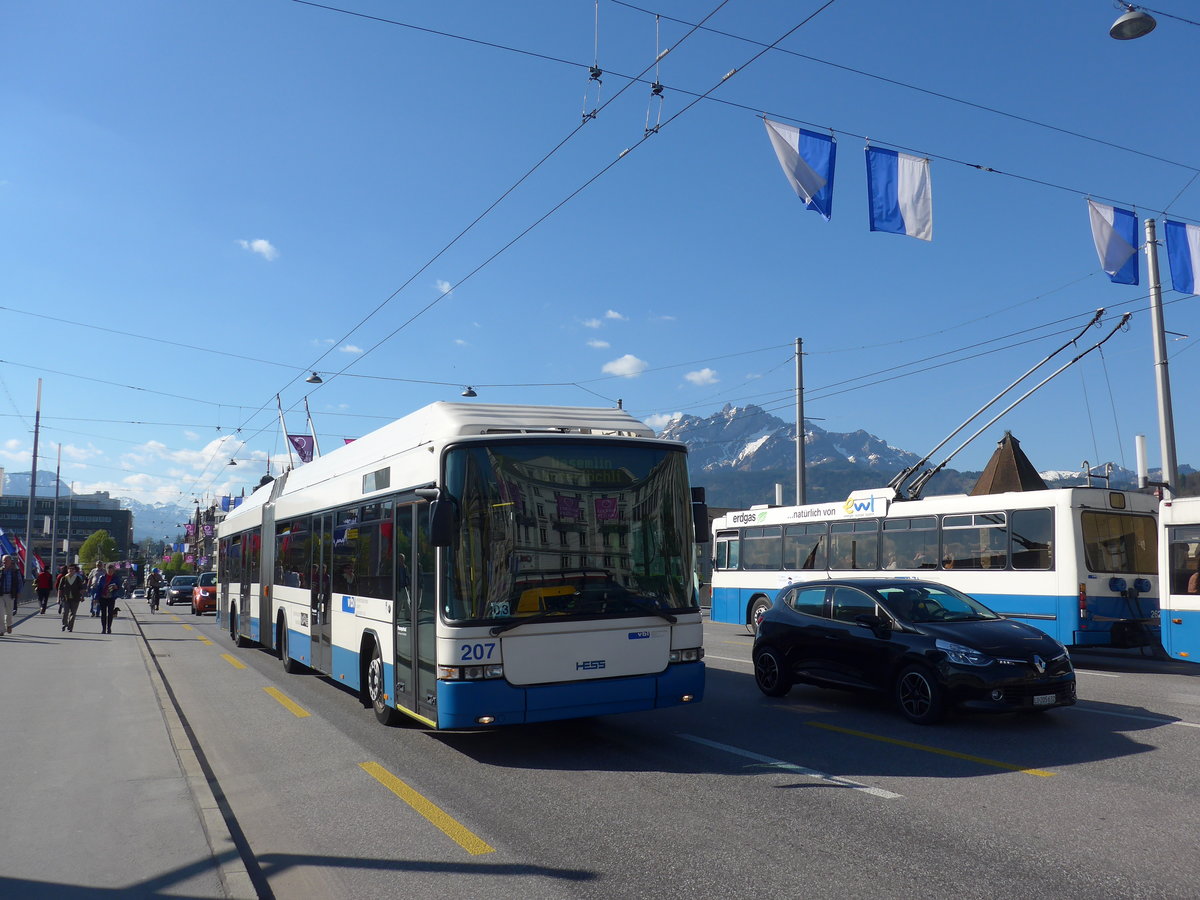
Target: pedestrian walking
{"points": [[43, 583], [94, 576], [105, 593], [70, 591], [11, 582], [62, 571]]}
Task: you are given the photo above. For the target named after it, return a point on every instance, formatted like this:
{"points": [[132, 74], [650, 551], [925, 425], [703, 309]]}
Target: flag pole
{"points": [[800, 486], [311, 429], [1162, 378], [283, 428]]}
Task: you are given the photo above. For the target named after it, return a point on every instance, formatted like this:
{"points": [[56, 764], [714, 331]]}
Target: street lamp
{"points": [[1133, 23]]}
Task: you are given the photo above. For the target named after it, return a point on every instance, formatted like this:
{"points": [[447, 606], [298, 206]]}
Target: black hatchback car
{"points": [[928, 646]]}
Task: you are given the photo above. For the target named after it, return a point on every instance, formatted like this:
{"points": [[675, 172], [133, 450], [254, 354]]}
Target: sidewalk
{"points": [[101, 793]]}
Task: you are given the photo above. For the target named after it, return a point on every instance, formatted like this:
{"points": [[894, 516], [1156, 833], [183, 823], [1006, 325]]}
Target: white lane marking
{"points": [[1101, 674], [785, 766], [708, 655], [1158, 720]]}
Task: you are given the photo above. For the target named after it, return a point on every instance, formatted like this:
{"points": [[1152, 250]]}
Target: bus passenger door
{"points": [[320, 632], [405, 630], [425, 618]]}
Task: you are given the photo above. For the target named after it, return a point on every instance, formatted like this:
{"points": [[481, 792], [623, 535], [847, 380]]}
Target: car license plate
{"points": [[1044, 699]]}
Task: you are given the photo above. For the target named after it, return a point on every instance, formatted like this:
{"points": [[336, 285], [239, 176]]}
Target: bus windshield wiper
{"points": [[638, 603], [541, 617]]}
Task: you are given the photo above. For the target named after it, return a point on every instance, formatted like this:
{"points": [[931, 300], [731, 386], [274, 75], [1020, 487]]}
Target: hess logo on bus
{"points": [[589, 664]]}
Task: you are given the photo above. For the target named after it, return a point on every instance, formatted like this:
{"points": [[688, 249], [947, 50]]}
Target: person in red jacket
{"points": [[43, 582]]}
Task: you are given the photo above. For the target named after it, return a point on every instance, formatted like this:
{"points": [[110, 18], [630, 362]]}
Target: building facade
{"points": [[78, 518]]}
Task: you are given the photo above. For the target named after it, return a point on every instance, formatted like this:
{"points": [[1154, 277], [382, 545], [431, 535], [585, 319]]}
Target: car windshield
{"points": [[183, 581], [208, 579], [918, 603]]}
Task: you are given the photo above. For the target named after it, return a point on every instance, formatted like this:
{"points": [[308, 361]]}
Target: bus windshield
{"points": [[1119, 543], [557, 528]]}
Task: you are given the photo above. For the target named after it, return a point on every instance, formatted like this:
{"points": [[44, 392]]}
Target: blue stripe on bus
{"points": [[1057, 616], [461, 703], [300, 646], [1182, 641], [344, 668]]}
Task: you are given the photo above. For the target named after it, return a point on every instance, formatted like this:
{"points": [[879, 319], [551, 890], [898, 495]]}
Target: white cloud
{"points": [[666, 319], [592, 323], [191, 435], [598, 344], [79, 454], [317, 342], [443, 286], [661, 421], [702, 376], [262, 247], [350, 348], [460, 342], [627, 366], [613, 314]]}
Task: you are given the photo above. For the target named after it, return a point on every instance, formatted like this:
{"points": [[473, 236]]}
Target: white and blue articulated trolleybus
{"points": [[1080, 563], [473, 565], [1179, 519]]}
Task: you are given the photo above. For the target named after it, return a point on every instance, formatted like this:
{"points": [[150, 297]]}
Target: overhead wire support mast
{"points": [[899, 480], [923, 479]]}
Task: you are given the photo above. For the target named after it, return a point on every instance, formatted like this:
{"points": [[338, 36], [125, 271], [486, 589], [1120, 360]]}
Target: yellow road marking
{"points": [[1041, 773], [288, 703], [448, 825], [176, 618], [188, 627], [202, 639], [233, 661]]}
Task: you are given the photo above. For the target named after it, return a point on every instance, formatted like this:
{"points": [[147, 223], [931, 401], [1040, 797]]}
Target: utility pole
{"points": [[800, 487], [1162, 378], [37, 425], [54, 514]]}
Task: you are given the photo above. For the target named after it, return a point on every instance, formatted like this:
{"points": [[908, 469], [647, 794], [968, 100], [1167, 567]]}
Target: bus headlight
{"points": [[469, 673], [692, 654]]}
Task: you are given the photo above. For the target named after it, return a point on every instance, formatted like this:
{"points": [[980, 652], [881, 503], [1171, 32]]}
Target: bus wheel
{"points": [[759, 607], [234, 633], [289, 665], [376, 694], [920, 698]]}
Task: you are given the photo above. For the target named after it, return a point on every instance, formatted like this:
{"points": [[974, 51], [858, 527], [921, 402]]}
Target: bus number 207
{"points": [[477, 651]]}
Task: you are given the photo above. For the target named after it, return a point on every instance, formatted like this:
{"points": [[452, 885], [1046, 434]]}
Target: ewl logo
{"points": [[347, 603], [855, 506], [638, 635], [589, 664]]}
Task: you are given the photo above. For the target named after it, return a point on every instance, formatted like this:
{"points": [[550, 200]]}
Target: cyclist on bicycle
{"points": [[154, 582]]}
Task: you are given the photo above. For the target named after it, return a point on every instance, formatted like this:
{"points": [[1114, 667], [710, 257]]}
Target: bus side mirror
{"points": [[700, 523], [443, 516]]}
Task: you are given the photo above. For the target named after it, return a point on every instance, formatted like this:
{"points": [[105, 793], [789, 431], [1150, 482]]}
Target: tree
{"points": [[99, 547]]}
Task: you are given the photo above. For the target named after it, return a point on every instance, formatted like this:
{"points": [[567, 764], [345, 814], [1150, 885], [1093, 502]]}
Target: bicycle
{"points": [[154, 594]]}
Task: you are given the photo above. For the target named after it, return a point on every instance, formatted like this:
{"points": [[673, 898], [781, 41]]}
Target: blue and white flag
{"points": [[900, 193], [807, 159], [1183, 252], [1115, 233]]}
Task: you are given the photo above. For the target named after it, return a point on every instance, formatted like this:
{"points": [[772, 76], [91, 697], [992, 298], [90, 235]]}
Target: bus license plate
{"points": [[1044, 699]]}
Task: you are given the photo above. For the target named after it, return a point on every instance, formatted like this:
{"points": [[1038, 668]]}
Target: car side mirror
{"points": [[881, 625]]}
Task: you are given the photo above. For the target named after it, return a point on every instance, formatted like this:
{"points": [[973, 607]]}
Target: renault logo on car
{"points": [[1039, 664]]}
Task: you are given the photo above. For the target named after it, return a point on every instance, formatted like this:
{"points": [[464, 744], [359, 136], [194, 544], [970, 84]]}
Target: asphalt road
{"points": [[817, 794]]}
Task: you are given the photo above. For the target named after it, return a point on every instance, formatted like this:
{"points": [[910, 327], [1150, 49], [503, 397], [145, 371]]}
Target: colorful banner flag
{"points": [[225, 503], [899, 193], [208, 530], [1183, 253], [568, 507], [1114, 232], [807, 160], [189, 528], [304, 445], [606, 509], [348, 440]]}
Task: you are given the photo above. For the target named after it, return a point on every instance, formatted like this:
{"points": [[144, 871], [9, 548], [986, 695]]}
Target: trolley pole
{"points": [[37, 425]]}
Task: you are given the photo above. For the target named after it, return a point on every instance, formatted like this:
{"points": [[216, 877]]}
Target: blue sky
{"points": [[265, 182]]}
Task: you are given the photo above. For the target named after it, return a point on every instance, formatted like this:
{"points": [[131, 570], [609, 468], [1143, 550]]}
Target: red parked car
{"points": [[204, 594]]}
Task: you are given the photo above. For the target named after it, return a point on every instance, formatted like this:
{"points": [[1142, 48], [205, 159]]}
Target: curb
{"points": [[231, 869]]}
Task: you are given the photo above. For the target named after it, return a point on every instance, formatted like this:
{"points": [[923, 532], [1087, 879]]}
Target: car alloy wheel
{"points": [[919, 696], [770, 673]]}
